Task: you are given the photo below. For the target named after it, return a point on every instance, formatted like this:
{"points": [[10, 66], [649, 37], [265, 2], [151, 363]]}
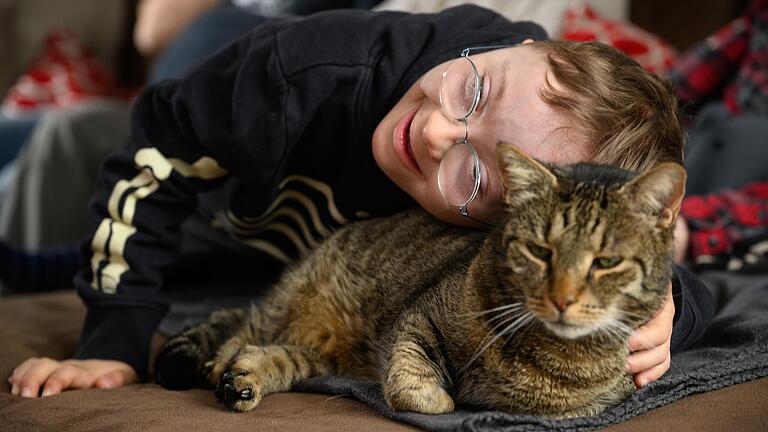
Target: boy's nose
{"points": [[440, 133]]}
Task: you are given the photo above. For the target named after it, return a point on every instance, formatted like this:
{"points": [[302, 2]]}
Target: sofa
{"points": [[49, 325]]}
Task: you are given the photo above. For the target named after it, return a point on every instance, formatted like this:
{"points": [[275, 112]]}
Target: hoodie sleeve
{"points": [[694, 309], [187, 137]]}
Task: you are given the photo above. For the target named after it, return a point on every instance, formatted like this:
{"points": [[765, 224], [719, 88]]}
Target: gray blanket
{"points": [[734, 349]]}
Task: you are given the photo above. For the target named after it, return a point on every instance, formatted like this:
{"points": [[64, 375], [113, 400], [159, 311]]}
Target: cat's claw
{"points": [[246, 394], [243, 399]]}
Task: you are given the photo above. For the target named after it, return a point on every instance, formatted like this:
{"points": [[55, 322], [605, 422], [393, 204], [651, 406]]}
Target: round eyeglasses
{"points": [[461, 173]]}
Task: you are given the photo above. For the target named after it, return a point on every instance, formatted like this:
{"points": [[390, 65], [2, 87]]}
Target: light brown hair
{"points": [[628, 116]]}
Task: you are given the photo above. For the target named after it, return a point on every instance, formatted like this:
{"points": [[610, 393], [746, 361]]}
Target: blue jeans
{"points": [[13, 134]]}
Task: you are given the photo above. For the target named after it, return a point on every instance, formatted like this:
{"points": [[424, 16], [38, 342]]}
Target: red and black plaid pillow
{"points": [[729, 230]]}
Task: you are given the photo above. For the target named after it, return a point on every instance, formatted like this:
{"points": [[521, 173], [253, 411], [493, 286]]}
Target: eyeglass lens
{"points": [[460, 89], [457, 175]]}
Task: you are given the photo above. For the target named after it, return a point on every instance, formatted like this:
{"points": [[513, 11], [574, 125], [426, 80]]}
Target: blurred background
{"points": [[106, 27]]}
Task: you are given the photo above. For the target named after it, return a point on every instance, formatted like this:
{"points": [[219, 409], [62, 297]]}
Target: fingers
{"points": [[116, 378], [66, 377], [30, 375], [650, 345], [658, 330], [13, 380], [647, 338], [55, 377], [647, 376], [642, 361]]}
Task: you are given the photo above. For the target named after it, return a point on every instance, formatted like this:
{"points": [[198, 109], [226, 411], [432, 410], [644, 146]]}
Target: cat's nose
{"points": [[564, 290], [562, 300], [439, 133]]}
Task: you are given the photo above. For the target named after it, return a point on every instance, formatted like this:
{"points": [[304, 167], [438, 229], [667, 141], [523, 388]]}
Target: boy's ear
{"points": [[524, 178], [659, 192]]}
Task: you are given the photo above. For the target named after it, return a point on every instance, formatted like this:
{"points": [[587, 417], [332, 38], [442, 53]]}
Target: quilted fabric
{"points": [[582, 23]]}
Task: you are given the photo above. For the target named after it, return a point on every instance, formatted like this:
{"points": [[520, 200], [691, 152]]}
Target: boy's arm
{"points": [[229, 112], [143, 193], [694, 309], [184, 134]]}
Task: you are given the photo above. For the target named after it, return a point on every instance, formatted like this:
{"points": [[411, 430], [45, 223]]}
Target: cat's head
{"points": [[589, 246]]}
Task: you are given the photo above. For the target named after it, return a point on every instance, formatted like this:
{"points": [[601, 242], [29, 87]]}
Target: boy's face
{"points": [[410, 141]]}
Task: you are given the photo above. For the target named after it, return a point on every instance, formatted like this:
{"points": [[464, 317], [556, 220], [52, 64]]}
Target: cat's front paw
{"points": [[239, 392], [427, 398], [178, 366]]}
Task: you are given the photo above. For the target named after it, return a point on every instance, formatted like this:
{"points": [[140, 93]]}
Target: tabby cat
{"points": [[530, 317]]}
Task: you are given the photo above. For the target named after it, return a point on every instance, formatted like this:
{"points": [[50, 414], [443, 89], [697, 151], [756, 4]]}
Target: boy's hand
{"points": [[48, 377], [649, 345]]}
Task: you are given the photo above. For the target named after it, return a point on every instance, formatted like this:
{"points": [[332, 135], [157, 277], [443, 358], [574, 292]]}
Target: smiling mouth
{"points": [[402, 143]]}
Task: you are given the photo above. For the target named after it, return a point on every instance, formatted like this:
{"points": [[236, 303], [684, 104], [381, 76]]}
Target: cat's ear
{"points": [[524, 178], [659, 192]]}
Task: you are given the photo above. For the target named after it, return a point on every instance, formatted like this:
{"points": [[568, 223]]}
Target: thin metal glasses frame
{"points": [[463, 208]]}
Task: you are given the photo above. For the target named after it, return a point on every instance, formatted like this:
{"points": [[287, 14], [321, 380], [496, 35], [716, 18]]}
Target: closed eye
{"points": [[483, 92], [539, 252]]}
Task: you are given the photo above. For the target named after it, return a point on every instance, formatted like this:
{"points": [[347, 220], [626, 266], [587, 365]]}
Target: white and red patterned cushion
{"points": [[582, 23], [64, 74]]}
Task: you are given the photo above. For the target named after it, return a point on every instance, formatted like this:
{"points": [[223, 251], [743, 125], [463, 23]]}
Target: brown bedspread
{"points": [[49, 324]]}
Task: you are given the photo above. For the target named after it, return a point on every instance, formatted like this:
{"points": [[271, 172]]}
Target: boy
{"points": [[264, 150]]}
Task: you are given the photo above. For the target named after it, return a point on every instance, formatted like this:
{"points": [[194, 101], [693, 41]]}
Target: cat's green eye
{"points": [[606, 262], [539, 252]]}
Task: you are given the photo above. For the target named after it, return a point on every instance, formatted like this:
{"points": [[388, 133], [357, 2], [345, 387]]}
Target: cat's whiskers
{"points": [[515, 314], [496, 309], [503, 314], [517, 322], [510, 330], [631, 314], [510, 309], [519, 332], [501, 323], [614, 329]]}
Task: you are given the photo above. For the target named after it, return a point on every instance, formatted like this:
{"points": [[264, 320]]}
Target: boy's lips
{"points": [[402, 142]]}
